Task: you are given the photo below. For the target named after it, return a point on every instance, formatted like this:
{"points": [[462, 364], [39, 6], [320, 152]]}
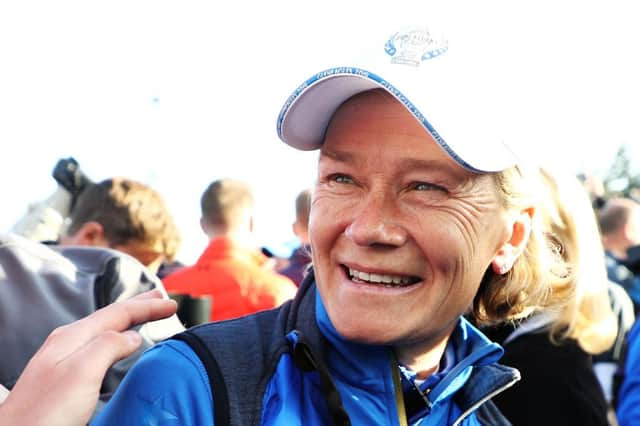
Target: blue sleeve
{"points": [[628, 410], [167, 386]]}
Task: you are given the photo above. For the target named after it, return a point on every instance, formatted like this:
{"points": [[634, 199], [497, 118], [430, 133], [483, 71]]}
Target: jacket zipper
{"points": [[483, 400], [397, 390]]}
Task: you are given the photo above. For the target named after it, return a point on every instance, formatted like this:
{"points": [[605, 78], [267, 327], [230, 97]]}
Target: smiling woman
{"points": [[416, 220], [390, 241]]}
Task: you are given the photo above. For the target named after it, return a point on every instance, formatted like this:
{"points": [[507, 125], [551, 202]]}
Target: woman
{"points": [[407, 232], [553, 349]]}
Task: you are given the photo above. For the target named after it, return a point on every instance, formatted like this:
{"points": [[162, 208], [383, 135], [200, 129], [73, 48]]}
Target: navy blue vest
{"points": [[241, 356]]}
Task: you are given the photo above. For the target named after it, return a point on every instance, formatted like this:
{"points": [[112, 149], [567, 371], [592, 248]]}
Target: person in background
{"points": [[553, 349], [607, 365], [300, 257], [44, 220], [619, 222], [62, 381], [595, 189], [231, 270], [169, 267], [117, 233], [47, 286], [413, 223], [124, 215]]}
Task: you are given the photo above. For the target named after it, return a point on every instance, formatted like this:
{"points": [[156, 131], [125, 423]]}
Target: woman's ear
{"points": [[515, 246]]}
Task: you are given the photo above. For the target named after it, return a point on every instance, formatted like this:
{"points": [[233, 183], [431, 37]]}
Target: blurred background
{"points": [[177, 94]]}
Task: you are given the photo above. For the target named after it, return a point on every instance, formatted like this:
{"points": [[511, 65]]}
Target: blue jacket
{"points": [[628, 409], [170, 384]]}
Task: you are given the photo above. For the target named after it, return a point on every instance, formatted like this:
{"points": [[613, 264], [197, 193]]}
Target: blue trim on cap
{"points": [[359, 72]]}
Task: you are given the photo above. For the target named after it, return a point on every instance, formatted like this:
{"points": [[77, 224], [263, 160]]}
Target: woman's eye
{"points": [[339, 178], [424, 186]]}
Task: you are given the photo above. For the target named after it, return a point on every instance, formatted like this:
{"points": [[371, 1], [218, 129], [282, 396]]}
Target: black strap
{"points": [[216, 381], [306, 361], [415, 402]]}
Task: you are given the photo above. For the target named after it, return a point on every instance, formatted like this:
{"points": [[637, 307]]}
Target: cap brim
{"points": [[304, 118]]}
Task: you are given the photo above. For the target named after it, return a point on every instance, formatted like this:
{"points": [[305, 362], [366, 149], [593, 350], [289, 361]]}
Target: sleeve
{"points": [[628, 410], [169, 385]]}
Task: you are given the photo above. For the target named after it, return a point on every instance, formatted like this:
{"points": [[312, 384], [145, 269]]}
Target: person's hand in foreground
{"points": [[61, 383]]}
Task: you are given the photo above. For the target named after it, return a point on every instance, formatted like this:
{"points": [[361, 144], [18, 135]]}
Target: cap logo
{"points": [[412, 47]]}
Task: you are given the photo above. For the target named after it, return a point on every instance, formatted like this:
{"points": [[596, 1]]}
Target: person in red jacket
{"points": [[234, 273]]}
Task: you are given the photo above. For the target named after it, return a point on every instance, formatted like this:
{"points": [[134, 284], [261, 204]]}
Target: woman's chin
{"points": [[366, 333]]}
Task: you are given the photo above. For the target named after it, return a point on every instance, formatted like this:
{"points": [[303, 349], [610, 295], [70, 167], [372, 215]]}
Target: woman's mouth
{"points": [[385, 280]]}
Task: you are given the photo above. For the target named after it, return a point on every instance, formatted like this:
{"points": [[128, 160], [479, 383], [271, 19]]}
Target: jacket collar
{"points": [[474, 378], [473, 350]]}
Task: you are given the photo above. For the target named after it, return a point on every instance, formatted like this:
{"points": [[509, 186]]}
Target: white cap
{"points": [[447, 84]]}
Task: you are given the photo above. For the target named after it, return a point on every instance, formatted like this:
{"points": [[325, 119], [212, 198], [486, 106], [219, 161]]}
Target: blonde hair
{"points": [[539, 278], [587, 316]]}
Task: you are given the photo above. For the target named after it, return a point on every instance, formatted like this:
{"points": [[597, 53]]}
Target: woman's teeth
{"points": [[388, 280]]}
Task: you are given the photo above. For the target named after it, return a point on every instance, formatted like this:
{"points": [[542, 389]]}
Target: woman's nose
{"points": [[377, 222]]}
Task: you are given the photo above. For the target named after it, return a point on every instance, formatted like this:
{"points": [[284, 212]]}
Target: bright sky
{"points": [[179, 93]]}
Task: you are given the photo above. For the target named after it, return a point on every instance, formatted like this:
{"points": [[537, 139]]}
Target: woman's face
{"points": [[401, 235]]}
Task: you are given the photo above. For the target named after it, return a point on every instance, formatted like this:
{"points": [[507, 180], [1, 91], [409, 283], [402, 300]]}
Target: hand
{"points": [[61, 383]]}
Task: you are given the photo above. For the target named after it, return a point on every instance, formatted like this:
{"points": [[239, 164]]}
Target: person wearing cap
{"points": [[413, 223]]}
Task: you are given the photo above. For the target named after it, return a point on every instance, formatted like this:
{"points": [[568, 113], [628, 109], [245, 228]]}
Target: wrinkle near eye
{"points": [[468, 212]]}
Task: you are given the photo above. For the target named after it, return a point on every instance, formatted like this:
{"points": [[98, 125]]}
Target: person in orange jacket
{"points": [[234, 273]]}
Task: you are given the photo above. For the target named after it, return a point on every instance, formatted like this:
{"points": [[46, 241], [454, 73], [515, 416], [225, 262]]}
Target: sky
{"points": [[176, 94]]}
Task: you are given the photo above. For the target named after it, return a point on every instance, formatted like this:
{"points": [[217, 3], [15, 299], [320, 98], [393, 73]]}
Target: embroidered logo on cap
{"points": [[414, 46]]}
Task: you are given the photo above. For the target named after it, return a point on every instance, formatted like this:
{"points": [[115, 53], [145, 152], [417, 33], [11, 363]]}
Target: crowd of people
{"points": [[440, 279]]}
